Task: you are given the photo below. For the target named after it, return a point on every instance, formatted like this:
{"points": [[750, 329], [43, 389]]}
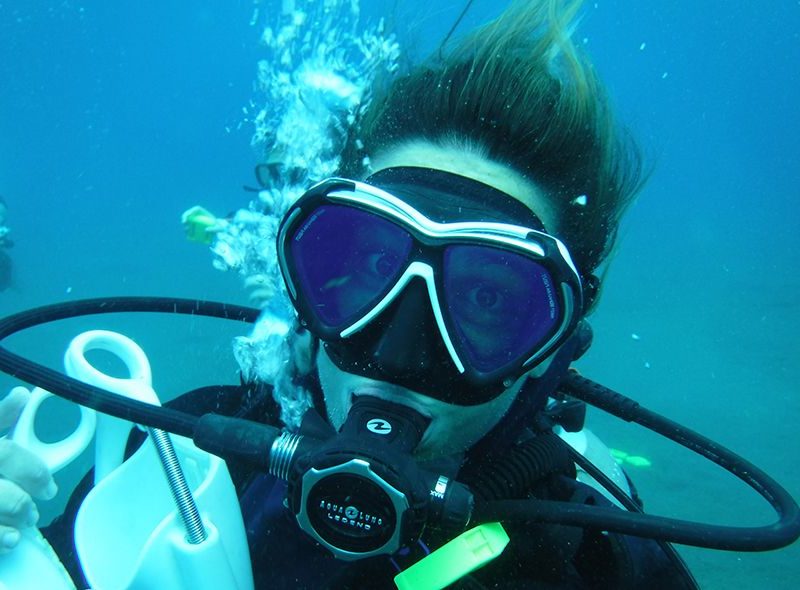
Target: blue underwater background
{"points": [[116, 117]]}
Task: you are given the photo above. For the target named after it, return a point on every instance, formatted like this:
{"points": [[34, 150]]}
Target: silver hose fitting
{"points": [[281, 454], [187, 508]]}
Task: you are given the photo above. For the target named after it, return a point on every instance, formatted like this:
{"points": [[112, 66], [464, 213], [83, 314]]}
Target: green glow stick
{"points": [[469, 551]]}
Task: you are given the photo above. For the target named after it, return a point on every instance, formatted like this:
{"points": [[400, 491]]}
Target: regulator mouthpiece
{"points": [[384, 422]]}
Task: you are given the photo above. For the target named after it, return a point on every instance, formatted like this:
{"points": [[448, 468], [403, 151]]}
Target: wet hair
{"points": [[519, 91]]}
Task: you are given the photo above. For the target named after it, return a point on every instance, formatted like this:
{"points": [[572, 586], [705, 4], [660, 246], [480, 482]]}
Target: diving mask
{"points": [[500, 296]]}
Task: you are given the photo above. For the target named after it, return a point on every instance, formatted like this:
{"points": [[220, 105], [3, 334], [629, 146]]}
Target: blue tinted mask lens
{"points": [[346, 261], [502, 305]]}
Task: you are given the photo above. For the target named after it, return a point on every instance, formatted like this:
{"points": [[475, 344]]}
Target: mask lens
{"points": [[346, 260], [503, 305]]}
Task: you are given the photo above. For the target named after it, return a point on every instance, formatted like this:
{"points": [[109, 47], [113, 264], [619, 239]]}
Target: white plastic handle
{"points": [[56, 454], [137, 386], [112, 433]]}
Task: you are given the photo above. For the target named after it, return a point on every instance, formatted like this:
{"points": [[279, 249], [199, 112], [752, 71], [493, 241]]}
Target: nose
{"points": [[406, 336]]}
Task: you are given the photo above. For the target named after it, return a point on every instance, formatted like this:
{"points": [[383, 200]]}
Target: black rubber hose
{"points": [[94, 397], [633, 505], [527, 464], [781, 533]]}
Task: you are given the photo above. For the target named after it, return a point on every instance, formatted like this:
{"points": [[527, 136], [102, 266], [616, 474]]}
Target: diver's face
{"points": [[452, 428]]}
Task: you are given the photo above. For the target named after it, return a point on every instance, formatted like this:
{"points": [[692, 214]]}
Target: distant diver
{"points": [[6, 264]]}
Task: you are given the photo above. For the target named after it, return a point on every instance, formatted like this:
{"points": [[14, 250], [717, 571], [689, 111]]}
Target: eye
{"points": [[485, 297], [382, 264]]}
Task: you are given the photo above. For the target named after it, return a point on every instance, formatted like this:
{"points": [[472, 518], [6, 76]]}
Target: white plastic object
{"points": [[33, 564], [56, 454], [129, 536], [112, 433], [127, 533], [595, 450]]}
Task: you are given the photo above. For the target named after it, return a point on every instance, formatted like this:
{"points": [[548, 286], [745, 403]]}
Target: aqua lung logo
{"points": [[350, 516], [551, 300], [379, 426]]}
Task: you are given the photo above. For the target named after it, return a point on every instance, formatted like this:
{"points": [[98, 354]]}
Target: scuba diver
{"points": [[441, 284], [6, 265]]}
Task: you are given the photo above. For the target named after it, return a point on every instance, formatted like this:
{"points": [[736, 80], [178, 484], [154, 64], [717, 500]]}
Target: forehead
{"points": [[470, 161]]}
